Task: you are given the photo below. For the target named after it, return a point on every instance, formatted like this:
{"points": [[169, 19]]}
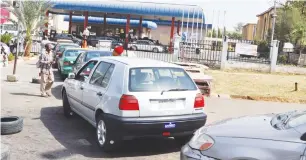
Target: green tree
{"points": [[291, 24], [234, 35], [31, 15], [212, 33], [6, 38], [238, 27]]}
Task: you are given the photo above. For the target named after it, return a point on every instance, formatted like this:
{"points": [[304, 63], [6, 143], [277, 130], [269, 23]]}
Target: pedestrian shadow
{"points": [[78, 137], [56, 91], [26, 94]]}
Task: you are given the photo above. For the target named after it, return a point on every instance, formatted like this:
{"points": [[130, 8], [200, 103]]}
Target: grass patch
{"points": [[259, 86]]}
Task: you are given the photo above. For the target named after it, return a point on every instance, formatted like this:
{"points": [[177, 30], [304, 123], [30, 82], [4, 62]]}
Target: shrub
{"points": [[11, 57], [6, 38], [282, 59]]}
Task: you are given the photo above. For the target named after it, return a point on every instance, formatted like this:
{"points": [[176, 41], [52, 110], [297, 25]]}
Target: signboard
{"points": [[105, 45], [246, 49]]}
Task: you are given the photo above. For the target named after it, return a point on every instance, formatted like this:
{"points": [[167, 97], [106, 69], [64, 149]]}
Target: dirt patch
{"points": [[272, 99], [260, 86]]}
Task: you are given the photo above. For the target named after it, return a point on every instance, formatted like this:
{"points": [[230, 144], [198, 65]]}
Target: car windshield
{"points": [[73, 53], [288, 120], [94, 54], [159, 79]]}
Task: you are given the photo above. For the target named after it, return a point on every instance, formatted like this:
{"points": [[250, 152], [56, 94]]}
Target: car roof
{"points": [[83, 49], [138, 62], [70, 44]]}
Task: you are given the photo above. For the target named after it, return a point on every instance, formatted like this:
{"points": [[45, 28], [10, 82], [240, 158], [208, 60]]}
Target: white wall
{"points": [[162, 33], [59, 24]]}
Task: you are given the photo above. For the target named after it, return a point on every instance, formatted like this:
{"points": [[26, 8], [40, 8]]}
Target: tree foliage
{"points": [[238, 27], [31, 15], [6, 38], [291, 23]]}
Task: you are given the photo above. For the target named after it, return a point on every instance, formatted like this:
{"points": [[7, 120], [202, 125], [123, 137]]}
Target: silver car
{"points": [[263, 137]]}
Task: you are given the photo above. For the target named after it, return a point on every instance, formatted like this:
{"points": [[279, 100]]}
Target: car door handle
{"points": [[99, 94]]}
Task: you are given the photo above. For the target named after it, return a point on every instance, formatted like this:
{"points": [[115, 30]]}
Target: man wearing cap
{"points": [[118, 51]]}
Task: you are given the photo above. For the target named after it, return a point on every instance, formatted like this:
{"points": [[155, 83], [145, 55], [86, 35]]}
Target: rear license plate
{"points": [[167, 105], [170, 125]]}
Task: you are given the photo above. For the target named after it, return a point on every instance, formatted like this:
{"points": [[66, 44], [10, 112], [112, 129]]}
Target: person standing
{"points": [[46, 73]]}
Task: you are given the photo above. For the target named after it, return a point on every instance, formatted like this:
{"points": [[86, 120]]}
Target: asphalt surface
{"points": [[47, 134]]}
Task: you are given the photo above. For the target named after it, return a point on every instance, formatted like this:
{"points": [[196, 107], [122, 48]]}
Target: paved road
{"points": [[48, 135]]}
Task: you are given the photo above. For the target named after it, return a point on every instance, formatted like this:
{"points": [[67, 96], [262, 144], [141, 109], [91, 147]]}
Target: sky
{"points": [[236, 11]]}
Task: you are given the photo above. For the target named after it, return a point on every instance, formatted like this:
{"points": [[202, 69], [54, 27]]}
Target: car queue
{"points": [[126, 98]]}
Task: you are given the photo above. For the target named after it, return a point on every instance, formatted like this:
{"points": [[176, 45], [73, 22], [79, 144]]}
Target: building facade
{"points": [[249, 31], [264, 24]]}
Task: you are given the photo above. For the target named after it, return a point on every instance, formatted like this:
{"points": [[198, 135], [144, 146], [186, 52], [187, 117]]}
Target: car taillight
{"points": [[199, 101], [66, 63], [128, 102]]}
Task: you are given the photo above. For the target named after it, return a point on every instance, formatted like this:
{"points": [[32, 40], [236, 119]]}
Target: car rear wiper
{"points": [[174, 89]]}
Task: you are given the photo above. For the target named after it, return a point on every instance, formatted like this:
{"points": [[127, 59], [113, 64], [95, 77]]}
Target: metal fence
{"points": [[232, 55], [203, 51]]}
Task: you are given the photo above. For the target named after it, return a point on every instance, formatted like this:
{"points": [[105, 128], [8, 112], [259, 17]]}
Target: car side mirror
{"points": [[71, 76]]}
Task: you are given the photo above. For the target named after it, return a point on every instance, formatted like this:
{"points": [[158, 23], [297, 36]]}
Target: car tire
{"points": [[182, 140], [59, 69], [11, 125], [101, 131], [66, 106], [155, 50]]}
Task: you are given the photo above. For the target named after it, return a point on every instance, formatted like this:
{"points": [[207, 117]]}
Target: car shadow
{"points": [[56, 91], [57, 77], [78, 137]]}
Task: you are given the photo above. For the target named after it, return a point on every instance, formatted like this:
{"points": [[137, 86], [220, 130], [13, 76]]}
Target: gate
{"points": [[207, 52]]}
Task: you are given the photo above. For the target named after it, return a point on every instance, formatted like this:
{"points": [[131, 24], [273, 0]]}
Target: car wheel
{"points": [[103, 135], [155, 50], [66, 106], [59, 69], [182, 140]]}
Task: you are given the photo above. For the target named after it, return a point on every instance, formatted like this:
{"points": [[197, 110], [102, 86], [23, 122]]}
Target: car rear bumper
{"points": [[66, 70], [130, 128]]}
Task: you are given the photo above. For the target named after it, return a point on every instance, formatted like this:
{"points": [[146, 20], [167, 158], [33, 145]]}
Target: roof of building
{"points": [[131, 7], [112, 21], [147, 23], [267, 11], [249, 24]]}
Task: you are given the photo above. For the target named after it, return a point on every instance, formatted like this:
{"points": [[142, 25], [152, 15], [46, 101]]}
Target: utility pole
{"points": [[273, 23], [15, 5]]}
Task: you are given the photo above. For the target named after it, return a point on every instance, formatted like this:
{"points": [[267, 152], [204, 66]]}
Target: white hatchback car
{"points": [[126, 98]]}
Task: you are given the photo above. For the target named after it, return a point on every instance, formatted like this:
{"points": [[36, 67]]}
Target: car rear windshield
{"points": [[73, 53], [69, 46], [91, 55], [159, 79]]}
